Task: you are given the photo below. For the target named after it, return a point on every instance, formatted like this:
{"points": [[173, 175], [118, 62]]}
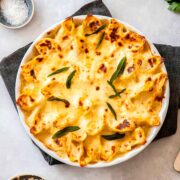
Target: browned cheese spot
{"points": [[150, 110], [124, 30], [119, 44], [47, 44], [148, 79], [112, 55], [139, 62], [94, 25], [31, 99], [60, 55], [113, 148], [123, 125], [129, 46], [35, 122], [80, 103], [49, 32], [127, 36], [65, 37], [140, 134], [67, 105], [131, 69], [86, 50], [150, 90], [71, 47], [113, 35], [97, 88], [103, 68], [157, 98], [106, 37], [98, 53], [59, 48], [150, 61], [32, 130], [39, 59], [32, 73], [58, 142]]}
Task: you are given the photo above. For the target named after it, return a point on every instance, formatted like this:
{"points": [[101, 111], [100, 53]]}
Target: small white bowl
{"points": [[30, 5], [154, 131]]}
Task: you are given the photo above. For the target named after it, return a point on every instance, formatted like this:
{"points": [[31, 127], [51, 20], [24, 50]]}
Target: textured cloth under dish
{"points": [[10, 64]]}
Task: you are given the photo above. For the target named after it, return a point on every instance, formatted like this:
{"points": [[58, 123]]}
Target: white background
{"points": [[19, 155]]}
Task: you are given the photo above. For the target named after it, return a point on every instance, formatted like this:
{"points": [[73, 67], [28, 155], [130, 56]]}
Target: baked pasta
{"points": [[92, 90]]}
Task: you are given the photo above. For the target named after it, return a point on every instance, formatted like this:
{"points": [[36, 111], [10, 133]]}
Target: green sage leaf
{"points": [[117, 94], [100, 40], [119, 69], [64, 131], [113, 136], [59, 71], [69, 79], [113, 87], [112, 110], [52, 98], [97, 30]]}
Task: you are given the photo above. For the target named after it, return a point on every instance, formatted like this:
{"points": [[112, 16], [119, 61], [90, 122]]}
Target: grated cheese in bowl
{"points": [[14, 11]]}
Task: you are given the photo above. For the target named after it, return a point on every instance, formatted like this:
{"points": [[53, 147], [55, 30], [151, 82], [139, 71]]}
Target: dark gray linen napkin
{"points": [[9, 67]]}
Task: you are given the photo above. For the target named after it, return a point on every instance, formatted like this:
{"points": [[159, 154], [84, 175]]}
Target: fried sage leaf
{"points": [[52, 98], [117, 94], [64, 131], [100, 39], [59, 71], [119, 69], [112, 110], [97, 30], [113, 87], [115, 90], [69, 79], [113, 136]]}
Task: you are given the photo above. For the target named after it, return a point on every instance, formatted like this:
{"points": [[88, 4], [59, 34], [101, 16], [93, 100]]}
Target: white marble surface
{"points": [[19, 155]]}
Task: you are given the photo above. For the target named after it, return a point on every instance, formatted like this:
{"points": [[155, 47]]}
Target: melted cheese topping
{"points": [[137, 108]]}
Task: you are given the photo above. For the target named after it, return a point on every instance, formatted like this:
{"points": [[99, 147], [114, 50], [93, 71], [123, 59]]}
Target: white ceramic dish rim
{"points": [[120, 159], [25, 22]]}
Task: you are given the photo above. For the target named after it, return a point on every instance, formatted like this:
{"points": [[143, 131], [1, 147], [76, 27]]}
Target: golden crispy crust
{"points": [[93, 57]]}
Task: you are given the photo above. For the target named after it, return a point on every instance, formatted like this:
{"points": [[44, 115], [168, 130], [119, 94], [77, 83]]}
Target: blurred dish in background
{"points": [[26, 177]]}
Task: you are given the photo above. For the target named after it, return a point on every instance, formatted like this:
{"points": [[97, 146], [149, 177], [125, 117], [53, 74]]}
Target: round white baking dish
{"points": [[118, 160]]}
